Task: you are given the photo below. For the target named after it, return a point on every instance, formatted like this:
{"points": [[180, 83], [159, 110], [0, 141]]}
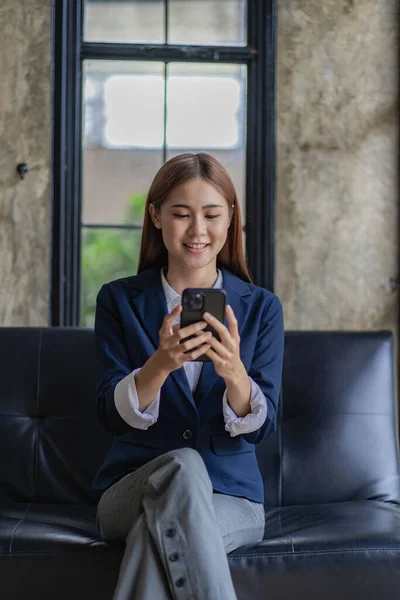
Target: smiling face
{"points": [[194, 222]]}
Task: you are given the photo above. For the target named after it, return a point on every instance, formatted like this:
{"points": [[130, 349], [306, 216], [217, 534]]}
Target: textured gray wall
{"points": [[337, 148], [25, 137], [337, 163]]}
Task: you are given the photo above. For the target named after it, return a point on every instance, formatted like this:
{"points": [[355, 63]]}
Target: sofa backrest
{"points": [[337, 439], [51, 443]]}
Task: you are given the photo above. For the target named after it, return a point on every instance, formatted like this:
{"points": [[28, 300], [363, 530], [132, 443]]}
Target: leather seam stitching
{"points": [[16, 527], [323, 552], [239, 557]]}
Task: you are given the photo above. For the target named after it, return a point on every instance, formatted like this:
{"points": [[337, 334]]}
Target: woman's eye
{"points": [[181, 216]]}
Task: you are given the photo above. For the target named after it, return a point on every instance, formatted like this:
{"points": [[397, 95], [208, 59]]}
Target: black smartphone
{"points": [[197, 301]]}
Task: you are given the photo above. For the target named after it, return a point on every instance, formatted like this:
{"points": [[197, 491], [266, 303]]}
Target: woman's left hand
{"points": [[226, 353]]}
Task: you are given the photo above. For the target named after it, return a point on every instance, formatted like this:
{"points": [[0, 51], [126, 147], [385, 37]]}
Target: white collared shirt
{"points": [[127, 401]]}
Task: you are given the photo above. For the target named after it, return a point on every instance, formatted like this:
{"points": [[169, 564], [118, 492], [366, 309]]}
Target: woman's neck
{"points": [[193, 278]]}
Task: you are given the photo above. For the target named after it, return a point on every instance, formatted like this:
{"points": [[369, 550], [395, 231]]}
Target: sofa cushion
{"points": [[49, 528], [341, 548], [362, 526]]}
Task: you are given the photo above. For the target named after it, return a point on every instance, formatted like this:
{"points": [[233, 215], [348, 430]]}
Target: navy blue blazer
{"points": [[129, 315]]}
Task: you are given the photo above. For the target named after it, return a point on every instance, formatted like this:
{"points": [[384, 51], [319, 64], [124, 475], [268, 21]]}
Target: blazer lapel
{"points": [[238, 293], [150, 306]]}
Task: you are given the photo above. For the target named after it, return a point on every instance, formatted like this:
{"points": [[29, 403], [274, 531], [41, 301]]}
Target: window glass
{"points": [[210, 22], [107, 254], [136, 21], [122, 144], [212, 116]]}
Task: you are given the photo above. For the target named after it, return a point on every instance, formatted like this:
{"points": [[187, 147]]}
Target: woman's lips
{"points": [[196, 250]]}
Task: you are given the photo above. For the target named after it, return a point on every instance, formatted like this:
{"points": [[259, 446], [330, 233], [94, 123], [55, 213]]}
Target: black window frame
{"points": [[69, 51]]}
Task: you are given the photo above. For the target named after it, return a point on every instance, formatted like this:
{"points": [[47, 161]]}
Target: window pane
{"points": [[204, 108], [137, 21], [208, 22], [123, 136], [107, 254], [206, 111]]}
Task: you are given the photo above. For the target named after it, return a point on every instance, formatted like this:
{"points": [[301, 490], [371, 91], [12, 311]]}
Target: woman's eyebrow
{"points": [[187, 206]]}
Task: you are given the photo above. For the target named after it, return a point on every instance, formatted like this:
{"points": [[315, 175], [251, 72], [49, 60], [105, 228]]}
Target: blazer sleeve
{"points": [[112, 361], [266, 367]]}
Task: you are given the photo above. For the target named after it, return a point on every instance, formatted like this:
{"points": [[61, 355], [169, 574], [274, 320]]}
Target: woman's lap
{"points": [[240, 520]]}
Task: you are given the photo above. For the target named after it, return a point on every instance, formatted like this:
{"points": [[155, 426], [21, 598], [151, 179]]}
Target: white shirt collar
{"points": [[172, 297]]}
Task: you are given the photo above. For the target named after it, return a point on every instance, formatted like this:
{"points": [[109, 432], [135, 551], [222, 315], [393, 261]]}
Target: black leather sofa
{"points": [[331, 473]]}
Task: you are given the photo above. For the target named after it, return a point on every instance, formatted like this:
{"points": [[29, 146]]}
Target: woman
{"points": [[181, 480]]}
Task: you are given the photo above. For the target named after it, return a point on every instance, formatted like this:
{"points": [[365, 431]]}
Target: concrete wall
{"points": [[337, 163], [25, 137]]}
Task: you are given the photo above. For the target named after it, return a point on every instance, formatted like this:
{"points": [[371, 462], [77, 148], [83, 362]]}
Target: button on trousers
{"points": [[177, 530]]}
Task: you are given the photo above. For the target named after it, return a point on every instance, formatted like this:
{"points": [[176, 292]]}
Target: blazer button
{"points": [[171, 532], [187, 434]]}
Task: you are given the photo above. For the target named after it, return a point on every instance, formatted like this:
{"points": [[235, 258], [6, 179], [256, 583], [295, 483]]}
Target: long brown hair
{"points": [[174, 172]]}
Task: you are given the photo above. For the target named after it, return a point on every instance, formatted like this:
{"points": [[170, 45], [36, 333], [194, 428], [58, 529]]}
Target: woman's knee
{"points": [[190, 466]]}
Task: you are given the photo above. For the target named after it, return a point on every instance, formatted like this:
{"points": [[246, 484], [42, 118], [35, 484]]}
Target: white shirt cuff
{"points": [[250, 422], [127, 403]]}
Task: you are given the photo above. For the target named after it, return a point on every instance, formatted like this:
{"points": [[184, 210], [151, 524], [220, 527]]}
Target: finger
{"points": [[224, 333], [195, 341], [220, 349], [232, 321], [168, 335], [166, 326], [180, 335], [204, 348], [213, 355], [168, 319], [191, 329]]}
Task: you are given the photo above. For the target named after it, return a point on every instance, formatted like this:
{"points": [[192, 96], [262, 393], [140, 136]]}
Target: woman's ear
{"points": [[155, 216]]}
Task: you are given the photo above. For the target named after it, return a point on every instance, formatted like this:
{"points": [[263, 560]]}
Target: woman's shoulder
{"points": [[266, 302], [258, 294]]}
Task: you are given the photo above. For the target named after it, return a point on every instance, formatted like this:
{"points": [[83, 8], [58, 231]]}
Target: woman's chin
{"points": [[195, 262]]}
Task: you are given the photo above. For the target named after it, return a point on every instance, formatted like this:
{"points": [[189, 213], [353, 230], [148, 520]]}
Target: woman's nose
{"points": [[197, 225]]}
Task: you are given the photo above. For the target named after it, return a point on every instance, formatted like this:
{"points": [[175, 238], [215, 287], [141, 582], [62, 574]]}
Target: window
{"points": [[135, 83], [131, 111]]}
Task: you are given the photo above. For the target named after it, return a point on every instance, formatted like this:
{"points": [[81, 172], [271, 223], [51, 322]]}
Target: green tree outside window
{"points": [[109, 254]]}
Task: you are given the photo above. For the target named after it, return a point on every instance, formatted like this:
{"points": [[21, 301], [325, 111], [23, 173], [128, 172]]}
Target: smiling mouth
{"points": [[196, 246]]}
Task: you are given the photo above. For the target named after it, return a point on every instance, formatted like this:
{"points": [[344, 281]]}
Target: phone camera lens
{"points": [[194, 301], [198, 301]]}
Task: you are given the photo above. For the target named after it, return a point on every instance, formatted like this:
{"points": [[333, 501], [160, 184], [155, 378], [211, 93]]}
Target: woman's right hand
{"points": [[170, 355]]}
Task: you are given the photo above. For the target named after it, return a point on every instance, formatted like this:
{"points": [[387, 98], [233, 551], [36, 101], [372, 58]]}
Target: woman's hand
{"points": [[226, 353], [170, 355]]}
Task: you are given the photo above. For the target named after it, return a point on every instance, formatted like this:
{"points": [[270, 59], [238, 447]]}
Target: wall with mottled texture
{"points": [[25, 118], [337, 163]]}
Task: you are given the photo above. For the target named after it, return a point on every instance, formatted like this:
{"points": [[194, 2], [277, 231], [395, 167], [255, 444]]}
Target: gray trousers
{"points": [[177, 530]]}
